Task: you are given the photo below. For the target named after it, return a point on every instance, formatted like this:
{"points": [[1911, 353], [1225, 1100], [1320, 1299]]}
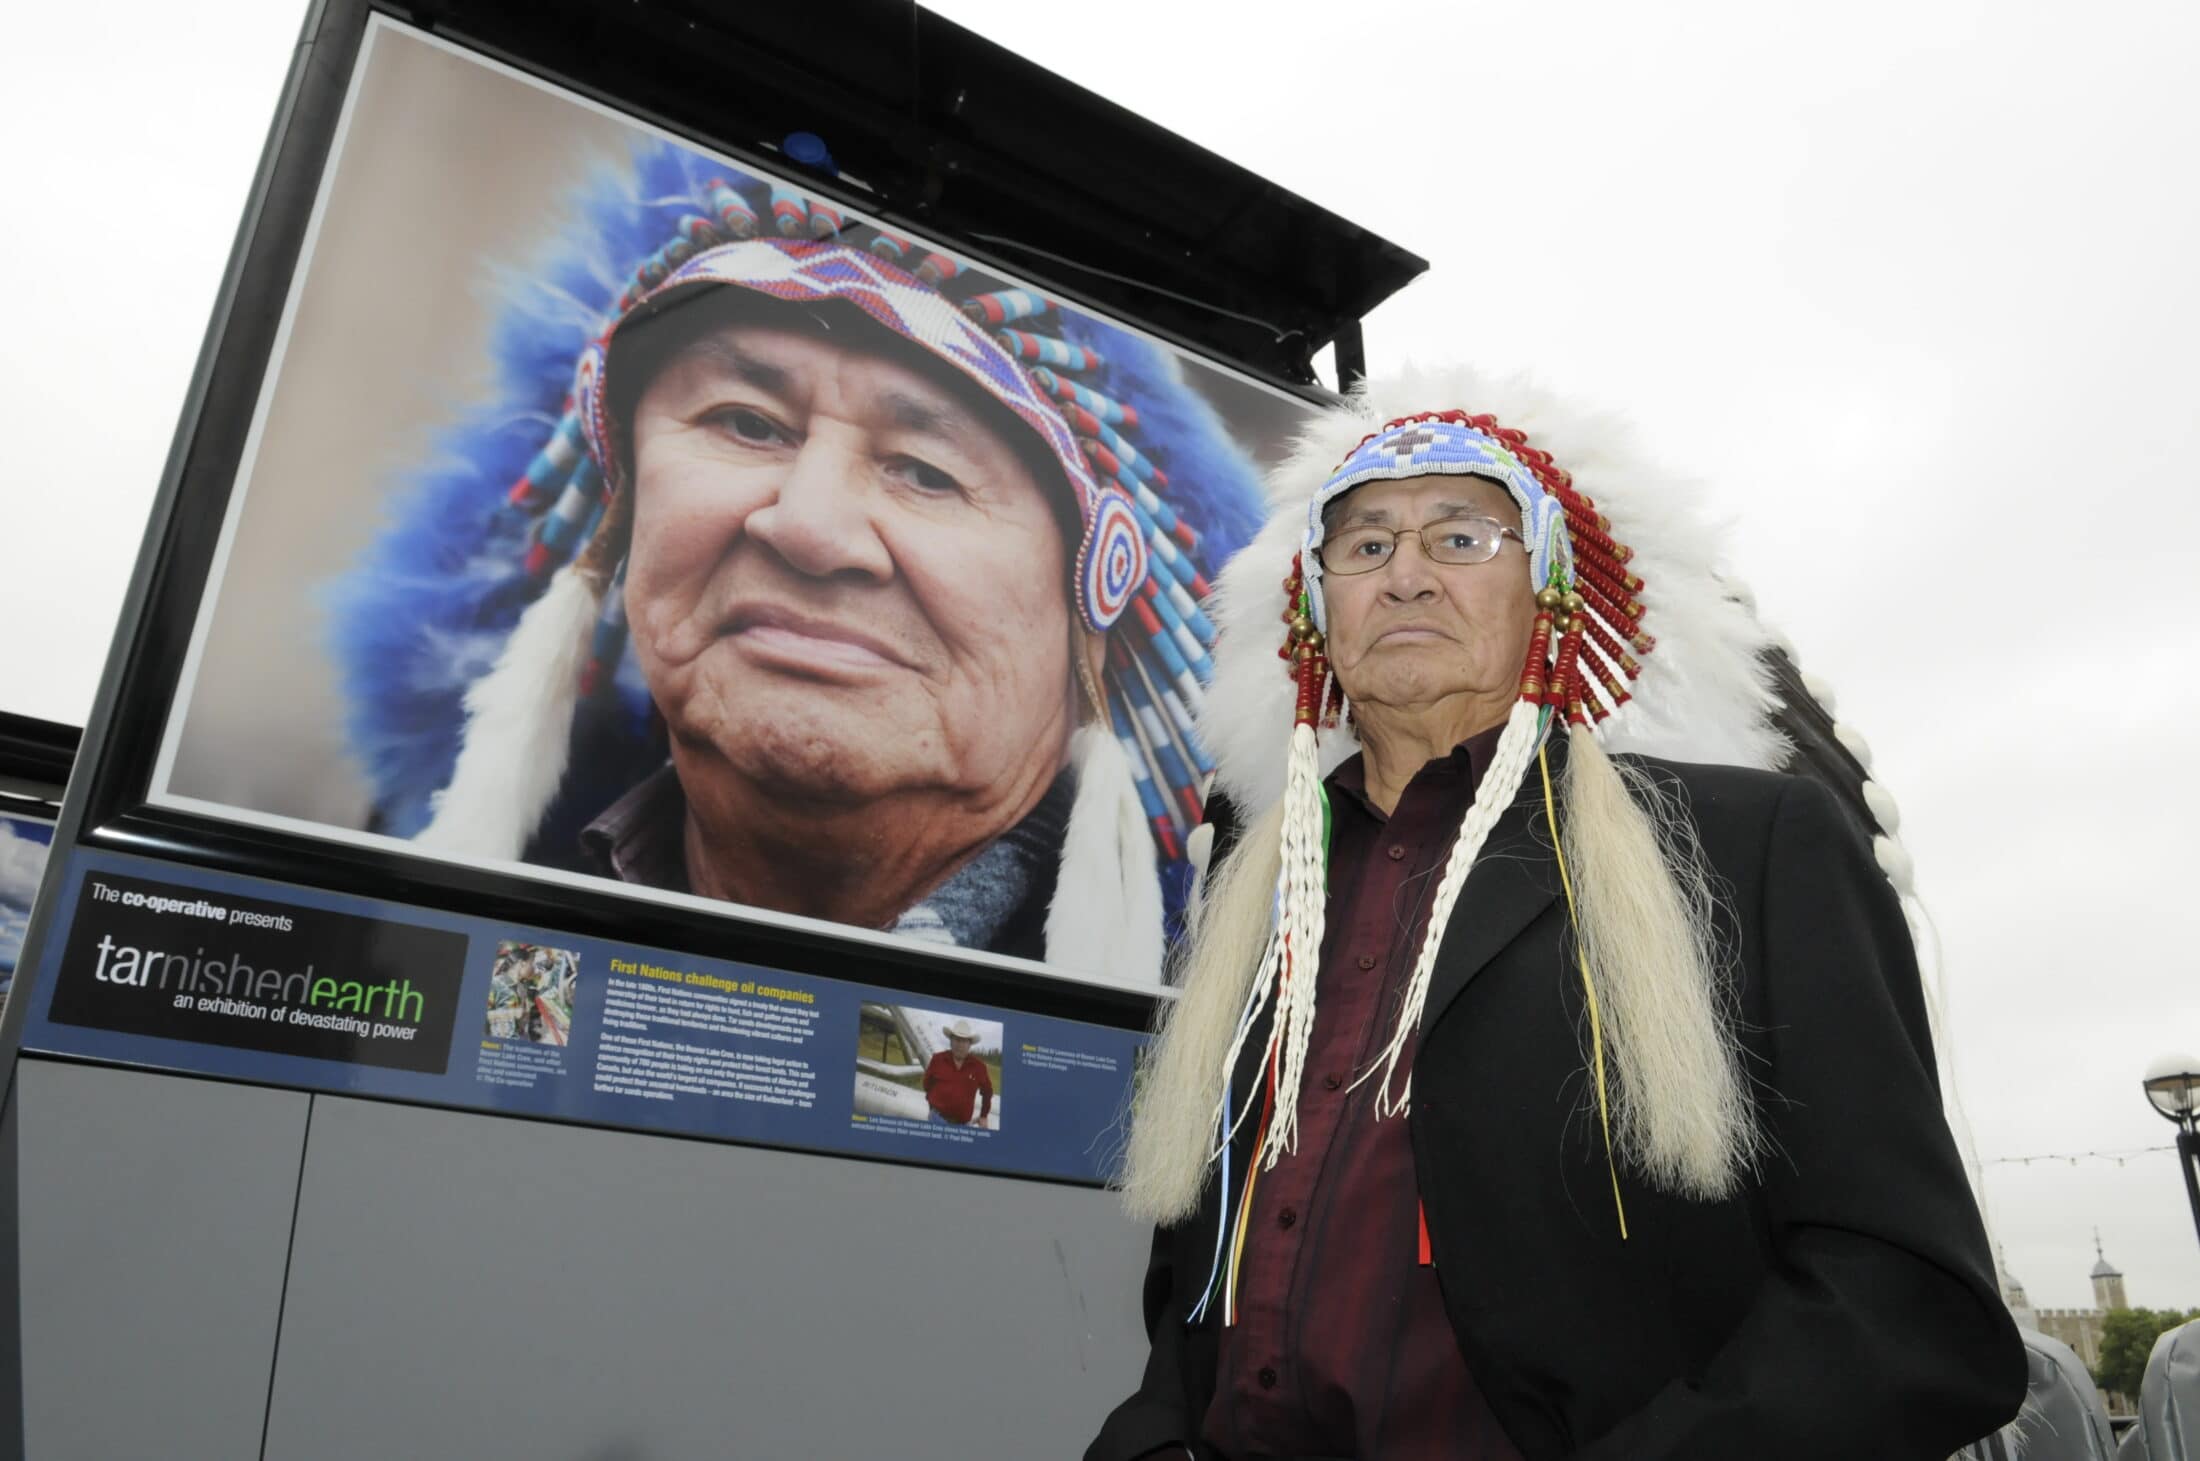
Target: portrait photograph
{"points": [[923, 1065], [531, 992], [617, 513]]}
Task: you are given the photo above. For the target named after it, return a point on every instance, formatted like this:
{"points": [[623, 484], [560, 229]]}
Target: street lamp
{"points": [[2173, 1087]]}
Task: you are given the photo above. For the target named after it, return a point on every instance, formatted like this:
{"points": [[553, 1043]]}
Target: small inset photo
{"points": [[922, 1065], [531, 991]]}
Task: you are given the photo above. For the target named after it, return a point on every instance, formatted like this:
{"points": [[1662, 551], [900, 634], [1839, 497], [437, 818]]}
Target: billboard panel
{"points": [[622, 515]]}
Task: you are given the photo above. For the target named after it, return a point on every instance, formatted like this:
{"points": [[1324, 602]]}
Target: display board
{"points": [[156, 965], [646, 627], [615, 511]]}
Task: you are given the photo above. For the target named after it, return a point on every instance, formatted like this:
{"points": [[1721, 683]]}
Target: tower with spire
{"points": [[2108, 1284], [2081, 1329]]}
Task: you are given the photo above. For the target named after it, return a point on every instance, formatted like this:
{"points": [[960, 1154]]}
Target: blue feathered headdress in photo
{"points": [[490, 727]]}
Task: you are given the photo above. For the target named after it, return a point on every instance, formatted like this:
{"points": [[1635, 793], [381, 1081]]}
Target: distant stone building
{"points": [[2078, 1328], [2108, 1284]]}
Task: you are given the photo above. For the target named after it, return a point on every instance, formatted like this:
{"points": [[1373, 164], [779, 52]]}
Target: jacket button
{"points": [[1287, 1217], [1367, 961], [1267, 1378], [1331, 1082], [1397, 854]]}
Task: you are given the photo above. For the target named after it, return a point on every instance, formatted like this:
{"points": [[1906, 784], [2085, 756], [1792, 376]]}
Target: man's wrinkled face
{"points": [[845, 579], [1413, 632]]}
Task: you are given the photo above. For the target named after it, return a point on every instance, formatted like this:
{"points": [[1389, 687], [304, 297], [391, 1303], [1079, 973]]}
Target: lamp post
{"points": [[2173, 1087]]}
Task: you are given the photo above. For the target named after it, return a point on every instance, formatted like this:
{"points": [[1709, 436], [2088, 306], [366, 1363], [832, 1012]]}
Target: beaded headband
{"points": [[1111, 558]]}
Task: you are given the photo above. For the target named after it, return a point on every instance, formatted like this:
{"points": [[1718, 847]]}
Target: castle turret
{"points": [[2108, 1284]]}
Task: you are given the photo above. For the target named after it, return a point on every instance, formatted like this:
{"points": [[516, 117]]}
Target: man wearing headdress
{"points": [[845, 582], [1523, 1100]]}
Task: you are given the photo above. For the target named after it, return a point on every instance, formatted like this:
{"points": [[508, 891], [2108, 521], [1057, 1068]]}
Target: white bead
{"points": [[1894, 861], [1884, 811], [1854, 744]]}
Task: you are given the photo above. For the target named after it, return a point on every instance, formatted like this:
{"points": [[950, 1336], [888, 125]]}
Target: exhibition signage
{"points": [[157, 965]]}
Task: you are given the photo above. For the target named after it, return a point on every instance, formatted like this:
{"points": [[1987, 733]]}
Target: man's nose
{"points": [[1409, 576], [819, 520]]}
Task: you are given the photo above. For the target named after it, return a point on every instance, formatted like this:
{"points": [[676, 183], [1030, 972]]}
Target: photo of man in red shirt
{"points": [[956, 1080]]}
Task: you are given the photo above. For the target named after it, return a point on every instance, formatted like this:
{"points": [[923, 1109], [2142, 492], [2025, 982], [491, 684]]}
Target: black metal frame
{"points": [[35, 757], [2188, 1159], [934, 121]]}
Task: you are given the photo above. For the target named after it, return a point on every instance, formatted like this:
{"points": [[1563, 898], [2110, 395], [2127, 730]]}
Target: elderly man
{"points": [[1521, 1103], [958, 1089], [883, 549]]}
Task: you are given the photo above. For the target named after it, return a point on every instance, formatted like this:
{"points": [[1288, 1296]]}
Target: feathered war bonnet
{"points": [[493, 699], [1638, 644]]}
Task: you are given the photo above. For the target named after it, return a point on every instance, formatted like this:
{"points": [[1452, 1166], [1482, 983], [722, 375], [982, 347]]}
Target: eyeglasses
{"points": [[1449, 540]]}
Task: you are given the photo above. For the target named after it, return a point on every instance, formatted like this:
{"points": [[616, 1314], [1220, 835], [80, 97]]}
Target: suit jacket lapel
{"points": [[1514, 879]]}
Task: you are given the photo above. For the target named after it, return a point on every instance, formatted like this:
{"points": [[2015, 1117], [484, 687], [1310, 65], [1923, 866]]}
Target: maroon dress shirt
{"points": [[953, 1090], [1341, 1347]]}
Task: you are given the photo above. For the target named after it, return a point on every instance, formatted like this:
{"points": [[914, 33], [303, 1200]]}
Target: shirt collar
{"points": [[1470, 758]]}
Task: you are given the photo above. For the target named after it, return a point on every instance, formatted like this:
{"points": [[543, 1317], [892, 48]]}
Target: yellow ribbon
{"points": [[1596, 1022]]}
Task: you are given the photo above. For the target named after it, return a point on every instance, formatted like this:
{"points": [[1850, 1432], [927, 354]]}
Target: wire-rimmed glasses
{"points": [[1466, 539]]}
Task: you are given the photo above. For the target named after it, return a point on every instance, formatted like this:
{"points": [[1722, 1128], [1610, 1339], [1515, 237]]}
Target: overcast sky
{"points": [[1915, 290]]}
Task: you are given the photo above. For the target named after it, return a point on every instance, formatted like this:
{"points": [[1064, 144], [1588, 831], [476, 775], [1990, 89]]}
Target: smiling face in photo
{"points": [[848, 573], [1412, 631]]}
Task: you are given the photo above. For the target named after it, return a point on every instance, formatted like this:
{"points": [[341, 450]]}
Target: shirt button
{"points": [[1331, 1082], [1397, 854], [1267, 1378], [1367, 961], [1287, 1217]]}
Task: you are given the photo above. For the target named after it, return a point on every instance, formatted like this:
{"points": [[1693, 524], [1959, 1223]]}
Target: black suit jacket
{"points": [[1843, 1306]]}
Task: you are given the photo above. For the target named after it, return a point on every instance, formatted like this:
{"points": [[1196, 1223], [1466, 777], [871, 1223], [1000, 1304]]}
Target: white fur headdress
{"points": [[1642, 645]]}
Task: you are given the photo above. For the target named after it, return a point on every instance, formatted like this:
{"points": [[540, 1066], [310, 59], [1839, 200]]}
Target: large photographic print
{"points": [[618, 512]]}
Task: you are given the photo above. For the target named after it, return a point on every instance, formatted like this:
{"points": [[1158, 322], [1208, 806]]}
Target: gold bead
{"points": [[1548, 598], [1575, 603], [1301, 626]]}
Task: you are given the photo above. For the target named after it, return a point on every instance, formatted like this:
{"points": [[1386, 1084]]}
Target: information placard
{"points": [[183, 969]]}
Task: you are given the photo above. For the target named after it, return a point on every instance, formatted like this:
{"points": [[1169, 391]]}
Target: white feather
{"points": [[1106, 913], [519, 721]]}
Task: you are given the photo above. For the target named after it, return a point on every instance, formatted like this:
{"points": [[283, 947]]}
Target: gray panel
{"points": [[469, 1286], [154, 1222]]}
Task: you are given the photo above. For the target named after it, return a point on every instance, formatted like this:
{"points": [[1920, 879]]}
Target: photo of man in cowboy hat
{"points": [[958, 1090]]}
